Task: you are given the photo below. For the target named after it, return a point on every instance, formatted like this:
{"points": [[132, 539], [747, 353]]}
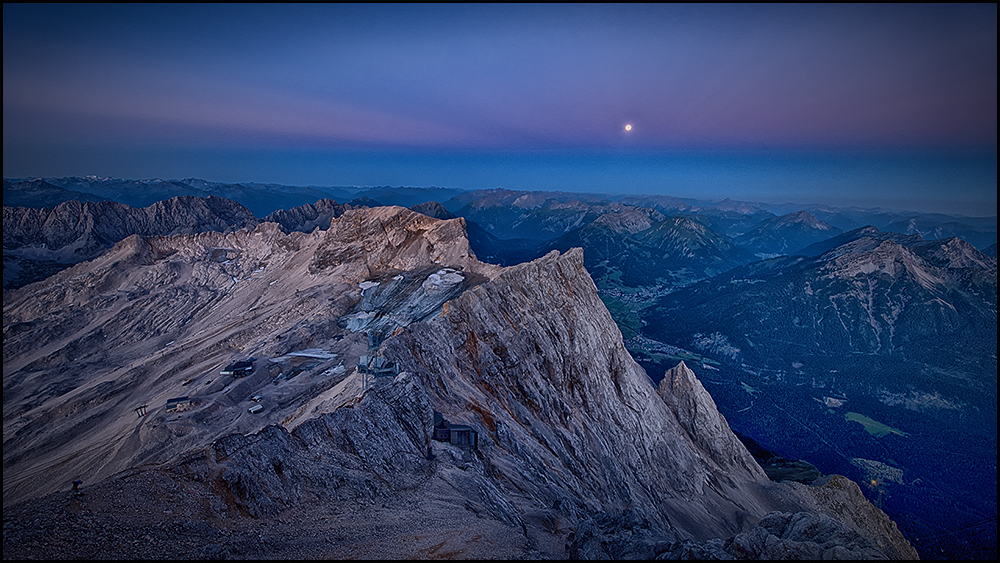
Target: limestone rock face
{"points": [[351, 453], [373, 242], [39, 242], [841, 499], [141, 323], [535, 361], [697, 414], [630, 220], [783, 536], [75, 231]]}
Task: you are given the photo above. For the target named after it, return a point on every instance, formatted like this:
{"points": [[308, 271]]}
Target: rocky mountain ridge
{"points": [[786, 234], [39, 193], [942, 279], [73, 231], [260, 199], [308, 217], [42, 241], [574, 444], [669, 251]]}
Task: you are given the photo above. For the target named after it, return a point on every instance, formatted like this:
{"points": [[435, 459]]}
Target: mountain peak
{"points": [[695, 410], [433, 209], [385, 240], [74, 231], [786, 233], [867, 256], [954, 253], [535, 362], [803, 219], [629, 220], [307, 217]]}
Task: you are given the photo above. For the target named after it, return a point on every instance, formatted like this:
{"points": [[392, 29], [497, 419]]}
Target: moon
{"points": [[628, 127]]}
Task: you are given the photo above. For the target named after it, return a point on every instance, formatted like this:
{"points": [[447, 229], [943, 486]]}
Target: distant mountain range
{"points": [[38, 242], [932, 301], [507, 214], [786, 234], [261, 199], [672, 251], [636, 241]]}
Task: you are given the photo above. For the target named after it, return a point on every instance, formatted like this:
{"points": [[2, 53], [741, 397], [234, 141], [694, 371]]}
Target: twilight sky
{"points": [[891, 105]]}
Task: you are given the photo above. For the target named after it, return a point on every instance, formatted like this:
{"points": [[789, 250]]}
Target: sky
{"points": [[885, 105]]}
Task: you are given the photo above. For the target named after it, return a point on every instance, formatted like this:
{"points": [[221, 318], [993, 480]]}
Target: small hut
{"points": [[455, 434], [179, 404]]}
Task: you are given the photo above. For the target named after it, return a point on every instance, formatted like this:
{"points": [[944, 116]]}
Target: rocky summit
{"points": [[372, 390]]}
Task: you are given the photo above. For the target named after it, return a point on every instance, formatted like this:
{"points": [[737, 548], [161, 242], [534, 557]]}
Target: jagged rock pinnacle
{"points": [[696, 412]]}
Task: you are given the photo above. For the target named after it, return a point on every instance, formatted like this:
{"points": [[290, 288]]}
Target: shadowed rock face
{"points": [[574, 443], [567, 419]]}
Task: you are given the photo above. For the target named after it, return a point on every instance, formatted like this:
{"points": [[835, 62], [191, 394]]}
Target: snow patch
{"points": [[442, 279]]}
